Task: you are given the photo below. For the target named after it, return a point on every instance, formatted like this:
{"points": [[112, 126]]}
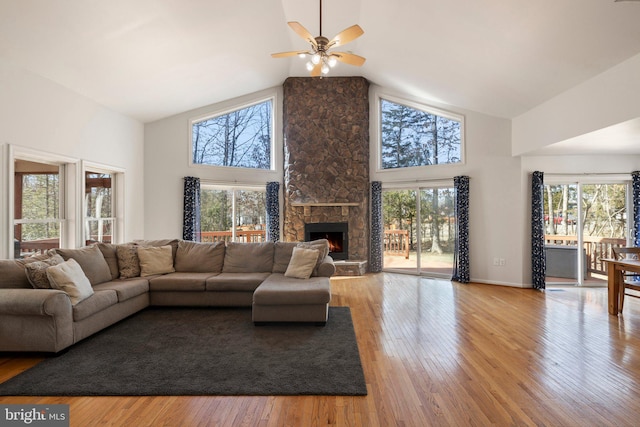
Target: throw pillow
{"points": [[69, 277], [200, 257], [158, 242], [91, 261], [155, 260], [302, 263], [36, 271], [322, 245], [128, 262]]}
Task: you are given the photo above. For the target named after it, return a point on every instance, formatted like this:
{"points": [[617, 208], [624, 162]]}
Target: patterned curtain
{"points": [[461, 249], [538, 260], [191, 218], [375, 263], [635, 176], [273, 211]]}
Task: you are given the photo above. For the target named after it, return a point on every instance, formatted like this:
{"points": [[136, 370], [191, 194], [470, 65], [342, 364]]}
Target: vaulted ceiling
{"points": [[153, 58]]}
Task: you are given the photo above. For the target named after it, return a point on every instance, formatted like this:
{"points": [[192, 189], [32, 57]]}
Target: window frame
{"points": [[117, 200], [68, 198], [382, 174], [236, 105], [233, 189]]}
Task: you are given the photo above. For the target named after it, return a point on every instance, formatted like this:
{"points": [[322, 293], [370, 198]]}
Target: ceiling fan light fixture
{"points": [[322, 59]]}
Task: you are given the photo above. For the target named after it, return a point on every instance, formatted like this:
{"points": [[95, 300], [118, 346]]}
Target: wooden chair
{"points": [[627, 253]]}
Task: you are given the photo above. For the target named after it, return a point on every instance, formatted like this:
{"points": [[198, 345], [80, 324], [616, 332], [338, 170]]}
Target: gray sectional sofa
{"points": [[51, 301]]}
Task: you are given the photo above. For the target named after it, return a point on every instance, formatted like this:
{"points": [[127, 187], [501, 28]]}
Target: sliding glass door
{"points": [[419, 230], [583, 222]]}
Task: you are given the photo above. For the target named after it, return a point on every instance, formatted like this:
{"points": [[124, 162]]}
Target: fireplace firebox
{"points": [[337, 233]]}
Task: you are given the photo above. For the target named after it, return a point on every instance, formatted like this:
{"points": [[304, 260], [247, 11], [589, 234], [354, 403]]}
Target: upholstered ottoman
{"points": [[285, 299]]}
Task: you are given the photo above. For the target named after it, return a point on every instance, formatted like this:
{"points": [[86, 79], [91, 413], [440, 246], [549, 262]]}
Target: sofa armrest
{"points": [[327, 268], [43, 302]]}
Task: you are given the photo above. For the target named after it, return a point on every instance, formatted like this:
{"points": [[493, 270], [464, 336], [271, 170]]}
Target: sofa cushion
{"points": [[111, 257], [179, 281], [13, 276], [128, 261], [282, 255], [231, 282], [70, 278], [125, 288], [155, 260], [302, 263], [248, 258], [37, 271], [281, 290], [95, 303], [91, 261], [200, 257]]}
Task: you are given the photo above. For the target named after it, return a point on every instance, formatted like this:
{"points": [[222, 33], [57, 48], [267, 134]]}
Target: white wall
{"points": [[167, 155], [608, 99], [40, 115]]}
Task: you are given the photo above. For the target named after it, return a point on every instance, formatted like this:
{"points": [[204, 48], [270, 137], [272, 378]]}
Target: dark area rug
{"points": [[202, 351]]}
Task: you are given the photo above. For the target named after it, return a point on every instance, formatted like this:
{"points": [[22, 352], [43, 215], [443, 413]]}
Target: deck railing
{"points": [[596, 249], [396, 243], [243, 236], [32, 247]]}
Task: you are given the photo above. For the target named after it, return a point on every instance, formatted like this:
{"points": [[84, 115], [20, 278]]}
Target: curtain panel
{"points": [[375, 261], [538, 259], [191, 215], [635, 178], [461, 267], [273, 211]]}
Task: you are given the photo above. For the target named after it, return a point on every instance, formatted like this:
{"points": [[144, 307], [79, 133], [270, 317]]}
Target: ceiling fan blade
{"points": [[302, 32], [349, 58], [345, 36], [286, 54], [317, 70]]}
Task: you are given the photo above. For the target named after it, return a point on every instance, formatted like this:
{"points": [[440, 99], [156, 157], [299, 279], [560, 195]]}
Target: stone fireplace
{"points": [[326, 158]]}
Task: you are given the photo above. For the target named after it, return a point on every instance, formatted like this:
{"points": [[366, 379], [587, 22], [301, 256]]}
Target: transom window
{"points": [[241, 138], [411, 136]]}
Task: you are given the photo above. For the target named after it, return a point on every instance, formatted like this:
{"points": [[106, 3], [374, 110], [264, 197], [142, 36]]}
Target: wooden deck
{"points": [[434, 354]]}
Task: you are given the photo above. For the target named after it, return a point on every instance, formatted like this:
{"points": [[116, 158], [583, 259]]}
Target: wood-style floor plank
{"points": [[434, 353]]}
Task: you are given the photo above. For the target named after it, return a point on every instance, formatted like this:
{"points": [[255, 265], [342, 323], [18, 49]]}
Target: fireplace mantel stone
{"points": [[307, 206]]}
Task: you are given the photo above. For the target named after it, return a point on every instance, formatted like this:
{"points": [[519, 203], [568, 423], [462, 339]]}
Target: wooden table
{"points": [[615, 281]]}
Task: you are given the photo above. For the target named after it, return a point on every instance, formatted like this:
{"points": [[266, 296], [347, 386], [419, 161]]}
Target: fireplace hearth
{"points": [[337, 233]]}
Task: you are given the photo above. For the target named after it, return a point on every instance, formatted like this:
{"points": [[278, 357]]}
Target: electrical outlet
{"points": [[496, 261], [502, 262]]}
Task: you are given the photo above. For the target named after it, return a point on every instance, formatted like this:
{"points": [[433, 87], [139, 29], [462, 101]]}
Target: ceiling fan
{"points": [[322, 59]]}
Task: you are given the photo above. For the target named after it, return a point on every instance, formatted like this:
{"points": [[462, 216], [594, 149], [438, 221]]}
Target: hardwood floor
{"points": [[435, 353]]}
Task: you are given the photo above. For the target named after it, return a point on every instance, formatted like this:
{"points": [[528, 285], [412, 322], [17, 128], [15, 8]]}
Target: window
{"points": [[413, 136], [240, 138], [232, 214], [38, 218], [99, 220]]}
